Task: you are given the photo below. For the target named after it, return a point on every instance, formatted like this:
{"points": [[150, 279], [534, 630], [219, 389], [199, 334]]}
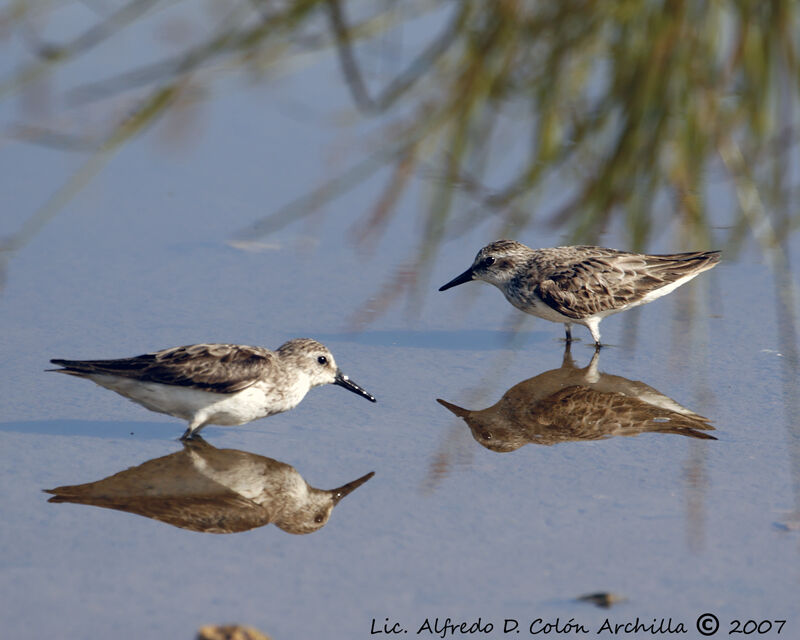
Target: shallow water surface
{"points": [[674, 523]]}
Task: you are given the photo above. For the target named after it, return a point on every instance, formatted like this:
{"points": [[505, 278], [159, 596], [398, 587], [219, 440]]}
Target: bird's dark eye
{"points": [[488, 262], [322, 360], [319, 518]]}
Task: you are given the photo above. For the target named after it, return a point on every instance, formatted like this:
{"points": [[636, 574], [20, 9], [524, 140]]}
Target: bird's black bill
{"points": [[342, 491], [347, 383], [464, 277]]}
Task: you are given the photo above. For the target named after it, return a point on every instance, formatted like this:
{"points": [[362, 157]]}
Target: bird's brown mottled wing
{"points": [[610, 280], [221, 368]]}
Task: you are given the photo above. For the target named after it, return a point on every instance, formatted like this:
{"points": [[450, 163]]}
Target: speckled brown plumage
{"points": [[221, 368], [581, 284], [225, 384]]}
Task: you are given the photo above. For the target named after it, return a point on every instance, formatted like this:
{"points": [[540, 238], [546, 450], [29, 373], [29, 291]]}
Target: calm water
{"points": [[677, 525]]}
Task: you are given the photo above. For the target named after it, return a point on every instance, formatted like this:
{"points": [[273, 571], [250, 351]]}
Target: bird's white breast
{"points": [[258, 401], [535, 306]]}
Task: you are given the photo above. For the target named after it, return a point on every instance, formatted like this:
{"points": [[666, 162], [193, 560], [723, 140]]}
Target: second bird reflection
{"points": [[570, 404], [206, 489]]}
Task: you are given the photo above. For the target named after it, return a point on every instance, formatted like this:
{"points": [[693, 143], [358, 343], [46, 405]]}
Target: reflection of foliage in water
{"points": [[611, 109], [602, 111]]}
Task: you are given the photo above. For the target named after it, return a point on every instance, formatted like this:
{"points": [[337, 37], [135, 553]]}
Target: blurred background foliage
{"points": [[574, 114]]}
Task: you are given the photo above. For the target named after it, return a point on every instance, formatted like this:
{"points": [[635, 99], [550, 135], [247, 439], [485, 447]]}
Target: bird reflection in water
{"points": [[571, 404], [202, 488]]}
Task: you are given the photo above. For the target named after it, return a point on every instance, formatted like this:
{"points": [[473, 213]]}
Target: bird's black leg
{"points": [[568, 330]]}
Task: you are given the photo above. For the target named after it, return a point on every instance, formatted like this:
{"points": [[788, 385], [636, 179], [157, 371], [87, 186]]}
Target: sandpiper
{"points": [[583, 284], [223, 384]]}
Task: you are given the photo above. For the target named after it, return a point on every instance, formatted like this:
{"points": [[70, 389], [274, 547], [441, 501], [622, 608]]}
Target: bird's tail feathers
{"points": [[83, 368]]}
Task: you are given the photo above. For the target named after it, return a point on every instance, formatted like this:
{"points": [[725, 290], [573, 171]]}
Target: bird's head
{"points": [[496, 264]]}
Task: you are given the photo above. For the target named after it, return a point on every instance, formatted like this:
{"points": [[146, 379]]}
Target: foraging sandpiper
{"points": [[223, 384], [583, 284]]}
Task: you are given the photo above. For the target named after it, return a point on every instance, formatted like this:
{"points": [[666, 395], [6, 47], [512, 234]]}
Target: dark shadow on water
{"points": [[471, 340], [96, 428], [112, 429]]}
